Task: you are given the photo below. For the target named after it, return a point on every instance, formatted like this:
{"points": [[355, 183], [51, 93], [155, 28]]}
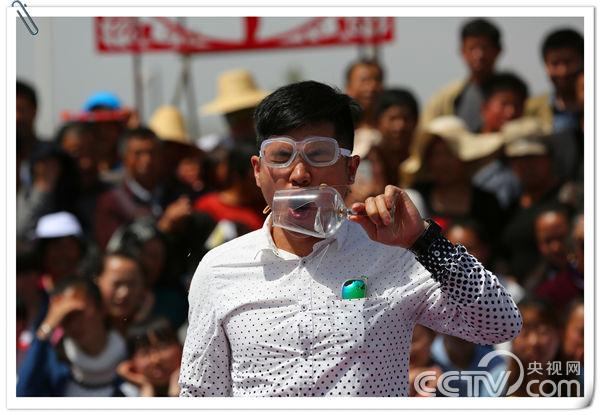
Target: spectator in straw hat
{"points": [[530, 160], [181, 160], [504, 96], [236, 100], [440, 170]]}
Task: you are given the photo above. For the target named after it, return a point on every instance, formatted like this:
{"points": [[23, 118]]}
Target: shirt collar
{"points": [[267, 243], [138, 190]]}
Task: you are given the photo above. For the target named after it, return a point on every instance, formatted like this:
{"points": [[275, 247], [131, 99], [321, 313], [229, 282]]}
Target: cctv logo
{"points": [[475, 380]]}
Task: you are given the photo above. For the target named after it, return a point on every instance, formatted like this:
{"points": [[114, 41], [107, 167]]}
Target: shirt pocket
{"points": [[355, 321]]}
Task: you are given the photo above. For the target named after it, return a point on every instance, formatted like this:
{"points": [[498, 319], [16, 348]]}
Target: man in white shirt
{"points": [[267, 317]]}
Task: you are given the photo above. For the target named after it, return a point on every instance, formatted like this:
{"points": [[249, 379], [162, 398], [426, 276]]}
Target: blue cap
{"points": [[103, 99]]}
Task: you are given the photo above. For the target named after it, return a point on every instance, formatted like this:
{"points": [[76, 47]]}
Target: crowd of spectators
{"points": [[113, 215]]}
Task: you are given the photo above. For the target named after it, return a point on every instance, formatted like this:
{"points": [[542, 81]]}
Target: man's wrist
{"points": [[422, 244], [44, 331]]}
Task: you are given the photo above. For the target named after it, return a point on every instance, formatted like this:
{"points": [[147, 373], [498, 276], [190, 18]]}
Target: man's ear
{"points": [[255, 160], [352, 166]]}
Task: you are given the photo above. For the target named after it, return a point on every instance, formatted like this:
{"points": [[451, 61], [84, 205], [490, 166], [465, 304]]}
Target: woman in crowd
{"points": [[121, 281], [164, 294], [439, 171]]}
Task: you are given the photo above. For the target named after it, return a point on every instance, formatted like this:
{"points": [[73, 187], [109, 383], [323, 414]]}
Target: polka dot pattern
{"points": [[264, 322]]}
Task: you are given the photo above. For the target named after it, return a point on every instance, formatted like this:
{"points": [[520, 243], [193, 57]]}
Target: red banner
{"points": [[156, 34]]}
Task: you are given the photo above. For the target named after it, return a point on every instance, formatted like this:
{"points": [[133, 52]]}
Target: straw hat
{"points": [[453, 130], [236, 91], [527, 146], [168, 124], [524, 127], [364, 140]]}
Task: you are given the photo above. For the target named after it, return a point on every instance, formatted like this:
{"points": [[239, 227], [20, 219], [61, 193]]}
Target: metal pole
{"points": [[194, 129], [138, 84], [185, 87]]}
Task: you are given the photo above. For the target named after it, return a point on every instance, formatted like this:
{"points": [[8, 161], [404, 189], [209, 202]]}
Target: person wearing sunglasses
{"points": [[279, 313]]}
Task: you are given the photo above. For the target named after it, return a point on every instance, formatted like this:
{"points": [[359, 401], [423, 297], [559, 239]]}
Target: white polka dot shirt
{"points": [[265, 322]]}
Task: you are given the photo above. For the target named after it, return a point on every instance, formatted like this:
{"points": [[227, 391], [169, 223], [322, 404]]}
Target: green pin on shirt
{"points": [[354, 288]]}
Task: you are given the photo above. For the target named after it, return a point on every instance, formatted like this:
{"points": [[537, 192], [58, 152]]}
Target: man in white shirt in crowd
{"points": [[268, 315]]}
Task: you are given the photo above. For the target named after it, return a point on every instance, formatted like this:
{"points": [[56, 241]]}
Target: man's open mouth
{"points": [[301, 211]]}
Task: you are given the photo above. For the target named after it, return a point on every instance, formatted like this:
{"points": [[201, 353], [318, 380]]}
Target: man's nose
{"points": [[300, 175], [478, 53], [562, 69]]}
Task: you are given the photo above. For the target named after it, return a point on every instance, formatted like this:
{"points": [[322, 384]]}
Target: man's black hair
{"points": [[504, 81], [140, 133], [396, 98], [90, 288], [563, 38], [27, 91], [481, 28], [303, 103], [362, 61]]}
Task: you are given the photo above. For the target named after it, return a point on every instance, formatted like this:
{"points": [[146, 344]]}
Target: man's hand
{"points": [[175, 215], [374, 215]]}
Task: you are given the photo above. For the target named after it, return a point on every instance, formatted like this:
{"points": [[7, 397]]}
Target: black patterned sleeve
{"points": [[464, 299]]}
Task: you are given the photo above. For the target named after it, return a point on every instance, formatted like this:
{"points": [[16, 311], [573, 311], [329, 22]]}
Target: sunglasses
{"points": [[354, 288]]}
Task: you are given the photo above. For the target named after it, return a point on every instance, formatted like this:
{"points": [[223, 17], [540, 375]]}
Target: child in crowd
{"points": [[572, 334], [84, 361], [538, 347], [153, 369]]}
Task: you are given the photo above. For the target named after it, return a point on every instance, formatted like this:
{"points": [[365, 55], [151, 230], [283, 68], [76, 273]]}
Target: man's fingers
{"points": [[366, 223], [392, 193], [373, 211], [361, 219], [384, 213]]}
